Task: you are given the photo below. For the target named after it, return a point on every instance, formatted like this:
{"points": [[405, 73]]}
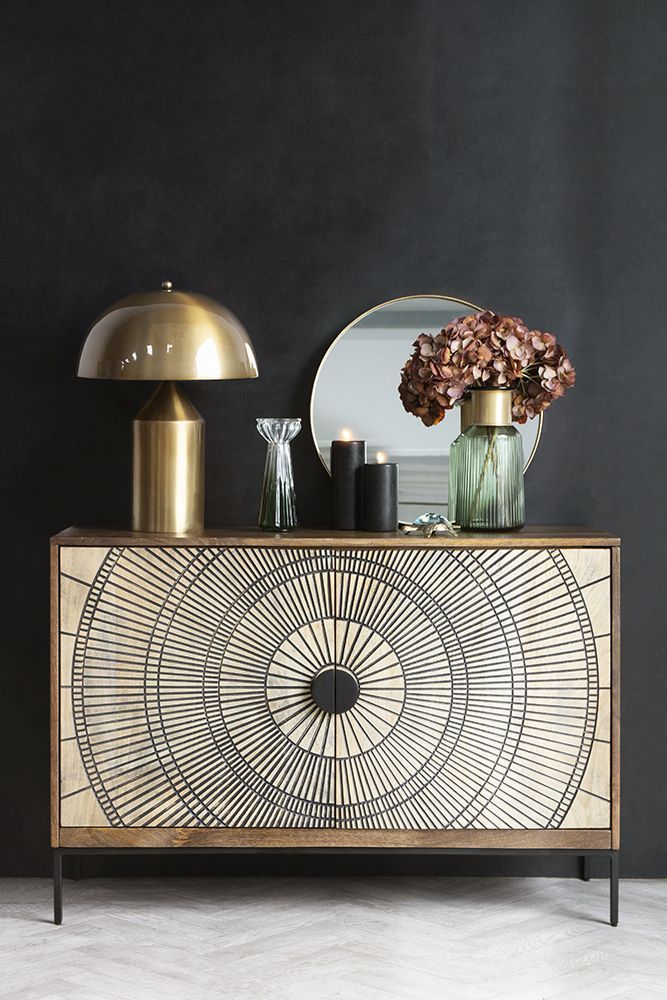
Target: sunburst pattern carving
{"points": [[477, 672]]}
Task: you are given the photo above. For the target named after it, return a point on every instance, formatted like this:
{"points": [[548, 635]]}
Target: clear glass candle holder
{"points": [[277, 511]]}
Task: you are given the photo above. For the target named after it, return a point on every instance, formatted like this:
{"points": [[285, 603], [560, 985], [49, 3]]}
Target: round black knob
{"points": [[334, 689]]}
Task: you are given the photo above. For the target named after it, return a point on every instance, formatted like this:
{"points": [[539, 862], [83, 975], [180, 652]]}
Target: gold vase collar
{"points": [[491, 407]]}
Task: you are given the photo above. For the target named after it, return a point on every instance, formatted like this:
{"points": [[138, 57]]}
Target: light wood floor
{"points": [[317, 939]]}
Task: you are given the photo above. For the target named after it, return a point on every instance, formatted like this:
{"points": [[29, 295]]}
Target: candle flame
{"points": [[381, 458], [346, 434]]}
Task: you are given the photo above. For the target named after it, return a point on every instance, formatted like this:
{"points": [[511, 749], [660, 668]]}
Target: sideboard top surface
{"points": [[529, 537]]}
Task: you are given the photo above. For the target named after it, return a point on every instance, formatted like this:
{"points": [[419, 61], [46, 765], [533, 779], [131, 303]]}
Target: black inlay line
{"points": [[75, 579], [593, 794], [68, 795], [592, 583]]}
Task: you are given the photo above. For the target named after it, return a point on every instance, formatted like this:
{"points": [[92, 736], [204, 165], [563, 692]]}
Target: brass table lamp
{"points": [[167, 336]]}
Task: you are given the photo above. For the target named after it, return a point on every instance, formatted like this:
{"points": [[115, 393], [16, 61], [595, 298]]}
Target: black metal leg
{"points": [[585, 865], [57, 887], [613, 889]]}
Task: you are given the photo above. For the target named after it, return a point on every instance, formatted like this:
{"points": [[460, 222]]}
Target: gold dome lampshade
{"points": [[167, 336]]}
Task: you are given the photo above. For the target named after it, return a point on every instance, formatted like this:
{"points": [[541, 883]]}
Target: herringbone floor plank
{"points": [[321, 939]]}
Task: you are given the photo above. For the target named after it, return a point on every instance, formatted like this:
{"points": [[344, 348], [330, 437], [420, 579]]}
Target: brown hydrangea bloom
{"points": [[484, 350]]}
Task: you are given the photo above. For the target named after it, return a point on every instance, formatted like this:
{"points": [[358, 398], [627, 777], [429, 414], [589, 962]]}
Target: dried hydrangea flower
{"points": [[484, 350]]}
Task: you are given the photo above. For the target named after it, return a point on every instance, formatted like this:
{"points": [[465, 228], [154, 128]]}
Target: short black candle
{"points": [[380, 510], [347, 463]]}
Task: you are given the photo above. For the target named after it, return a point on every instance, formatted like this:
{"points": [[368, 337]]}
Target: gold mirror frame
{"points": [[382, 305]]}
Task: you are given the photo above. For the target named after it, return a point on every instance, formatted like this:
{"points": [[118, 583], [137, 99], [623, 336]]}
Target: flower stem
{"points": [[490, 455]]}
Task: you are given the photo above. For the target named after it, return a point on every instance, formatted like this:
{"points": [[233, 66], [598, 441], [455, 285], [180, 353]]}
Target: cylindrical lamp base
{"points": [[168, 464]]}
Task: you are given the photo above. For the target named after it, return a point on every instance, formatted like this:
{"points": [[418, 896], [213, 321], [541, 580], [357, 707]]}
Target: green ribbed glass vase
{"points": [[451, 485], [487, 478]]}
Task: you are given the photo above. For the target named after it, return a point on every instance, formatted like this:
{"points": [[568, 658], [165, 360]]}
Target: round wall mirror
{"points": [[356, 390]]}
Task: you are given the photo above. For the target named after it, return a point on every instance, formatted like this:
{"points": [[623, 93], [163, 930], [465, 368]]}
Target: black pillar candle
{"points": [[347, 462], [380, 510]]}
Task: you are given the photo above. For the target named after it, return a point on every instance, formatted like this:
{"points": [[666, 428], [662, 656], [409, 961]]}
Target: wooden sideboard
{"points": [[335, 690]]}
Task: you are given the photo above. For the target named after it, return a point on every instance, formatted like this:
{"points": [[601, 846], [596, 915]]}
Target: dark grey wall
{"points": [[301, 162]]}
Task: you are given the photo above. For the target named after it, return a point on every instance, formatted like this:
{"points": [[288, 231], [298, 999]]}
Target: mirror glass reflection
{"points": [[356, 393]]}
